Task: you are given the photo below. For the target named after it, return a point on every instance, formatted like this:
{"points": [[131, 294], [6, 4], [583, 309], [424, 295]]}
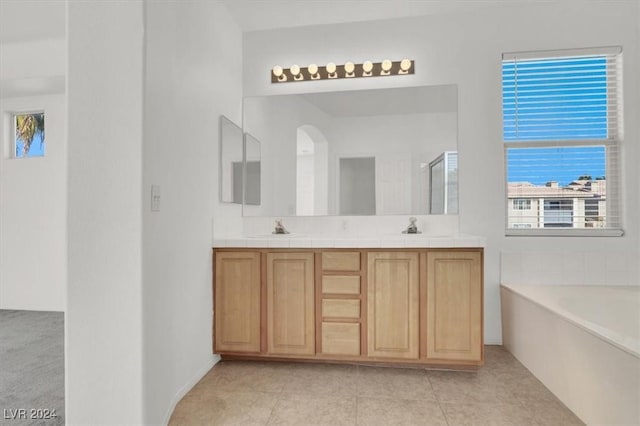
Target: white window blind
{"points": [[562, 123]]}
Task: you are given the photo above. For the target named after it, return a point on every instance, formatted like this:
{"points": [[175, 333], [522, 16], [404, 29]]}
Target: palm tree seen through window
{"points": [[29, 139]]}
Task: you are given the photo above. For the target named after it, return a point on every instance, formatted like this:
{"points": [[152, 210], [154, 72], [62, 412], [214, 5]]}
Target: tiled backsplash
{"points": [[353, 226], [569, 268]]}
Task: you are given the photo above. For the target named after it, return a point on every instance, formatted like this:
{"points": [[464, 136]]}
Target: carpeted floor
{"points": [[31, 368]]}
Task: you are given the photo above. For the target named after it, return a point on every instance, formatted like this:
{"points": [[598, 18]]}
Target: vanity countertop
{"points": [[351, 241]]}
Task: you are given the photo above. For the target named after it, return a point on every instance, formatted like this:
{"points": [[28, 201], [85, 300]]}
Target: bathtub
{"points": [[582, 342]]}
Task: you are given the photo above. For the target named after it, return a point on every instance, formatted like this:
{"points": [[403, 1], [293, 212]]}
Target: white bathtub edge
{"points": [[598, 381], [585, 325]]}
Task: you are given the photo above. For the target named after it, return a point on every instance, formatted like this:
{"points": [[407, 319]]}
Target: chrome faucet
{"points": [[412, 228], [280, 229]]}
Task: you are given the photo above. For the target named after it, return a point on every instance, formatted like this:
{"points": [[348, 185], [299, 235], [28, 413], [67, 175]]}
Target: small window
{"points": [[558, 213], [562, 127], [521, 204], [29, 135]]}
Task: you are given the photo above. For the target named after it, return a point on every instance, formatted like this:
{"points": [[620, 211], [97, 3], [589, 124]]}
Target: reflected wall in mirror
{"points": [[231, 166], [362, 152], [252, 170]]}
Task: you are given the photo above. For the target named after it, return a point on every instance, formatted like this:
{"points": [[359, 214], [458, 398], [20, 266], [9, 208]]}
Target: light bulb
{"points": [[367, 66], [313, 69], [386, 65], [277, 71], [331, 67], [295, 70], [349, 67], [405, 64]]}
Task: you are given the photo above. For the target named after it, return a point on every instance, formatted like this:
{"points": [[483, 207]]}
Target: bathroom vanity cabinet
{"points": [[290, 303], [409, 306]]}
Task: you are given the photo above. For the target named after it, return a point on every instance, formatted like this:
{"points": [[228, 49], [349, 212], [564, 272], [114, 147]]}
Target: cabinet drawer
{"points": [[341, 338], [341, 284], [341, 261], [341, 308]]}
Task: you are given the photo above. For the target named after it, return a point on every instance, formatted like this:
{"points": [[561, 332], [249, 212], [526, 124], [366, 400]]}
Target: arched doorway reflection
{"points": [[312, 172]]}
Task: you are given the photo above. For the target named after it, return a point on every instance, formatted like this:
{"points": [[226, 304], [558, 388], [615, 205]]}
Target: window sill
{"points": [[568, 232]]}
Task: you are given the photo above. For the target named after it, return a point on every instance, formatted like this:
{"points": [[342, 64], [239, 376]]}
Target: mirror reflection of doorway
{"points": [[312, 171], [357, 186]]}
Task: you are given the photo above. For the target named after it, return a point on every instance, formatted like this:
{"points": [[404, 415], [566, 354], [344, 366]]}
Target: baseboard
{"points": [[187, 386]]}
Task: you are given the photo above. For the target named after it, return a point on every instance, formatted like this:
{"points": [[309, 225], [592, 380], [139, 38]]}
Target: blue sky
{"points": [[555, 99], [36, 149], [541, 165]]}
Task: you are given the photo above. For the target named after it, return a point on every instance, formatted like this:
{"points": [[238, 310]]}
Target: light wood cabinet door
{"points": [[290, 304], [454, 306], [393, 305], [237, 302]]}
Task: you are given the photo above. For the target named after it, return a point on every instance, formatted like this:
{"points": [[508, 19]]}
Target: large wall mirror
{"points": [[364, 152]]}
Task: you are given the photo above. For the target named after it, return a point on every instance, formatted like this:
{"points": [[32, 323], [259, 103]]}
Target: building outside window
{"points": [[558, 213], [522, 204], [522, 225]]}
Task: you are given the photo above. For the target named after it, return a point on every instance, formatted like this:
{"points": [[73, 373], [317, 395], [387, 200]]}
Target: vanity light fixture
{"points": [[295, 72], [367, 67], [331, 70], [313, 72], [386, 67], [405, 66], [278, 73], [348, 70]]}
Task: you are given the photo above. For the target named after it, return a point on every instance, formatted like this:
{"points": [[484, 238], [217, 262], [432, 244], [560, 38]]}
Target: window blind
{"points": [[562, 123], [552, 97]]}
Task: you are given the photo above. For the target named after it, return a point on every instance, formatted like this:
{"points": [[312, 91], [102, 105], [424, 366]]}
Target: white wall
{"points": [[33, 59], [466, 50], [33, 208], [104, 306], [193, 75]]}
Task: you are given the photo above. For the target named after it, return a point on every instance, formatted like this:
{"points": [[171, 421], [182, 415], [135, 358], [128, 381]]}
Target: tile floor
{"points": [[503, 392]]}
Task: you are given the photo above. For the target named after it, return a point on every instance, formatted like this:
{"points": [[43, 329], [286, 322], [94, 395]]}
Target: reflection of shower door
{"points": [[443, 183], [357, 186]]}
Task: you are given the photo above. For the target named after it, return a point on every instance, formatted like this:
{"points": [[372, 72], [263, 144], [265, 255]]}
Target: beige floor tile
{"points": [[524, 386], [466, 387], [299, 410], [487, 414], [496, 351], [322, 379], [249, 376], [223, 407], [254, 393], [387, 412], [552, 413], [394, 383], [496, 358]]}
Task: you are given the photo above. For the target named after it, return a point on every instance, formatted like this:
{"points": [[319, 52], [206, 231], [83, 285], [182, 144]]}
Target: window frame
{"points": [[611, 145], [13, 140]]}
